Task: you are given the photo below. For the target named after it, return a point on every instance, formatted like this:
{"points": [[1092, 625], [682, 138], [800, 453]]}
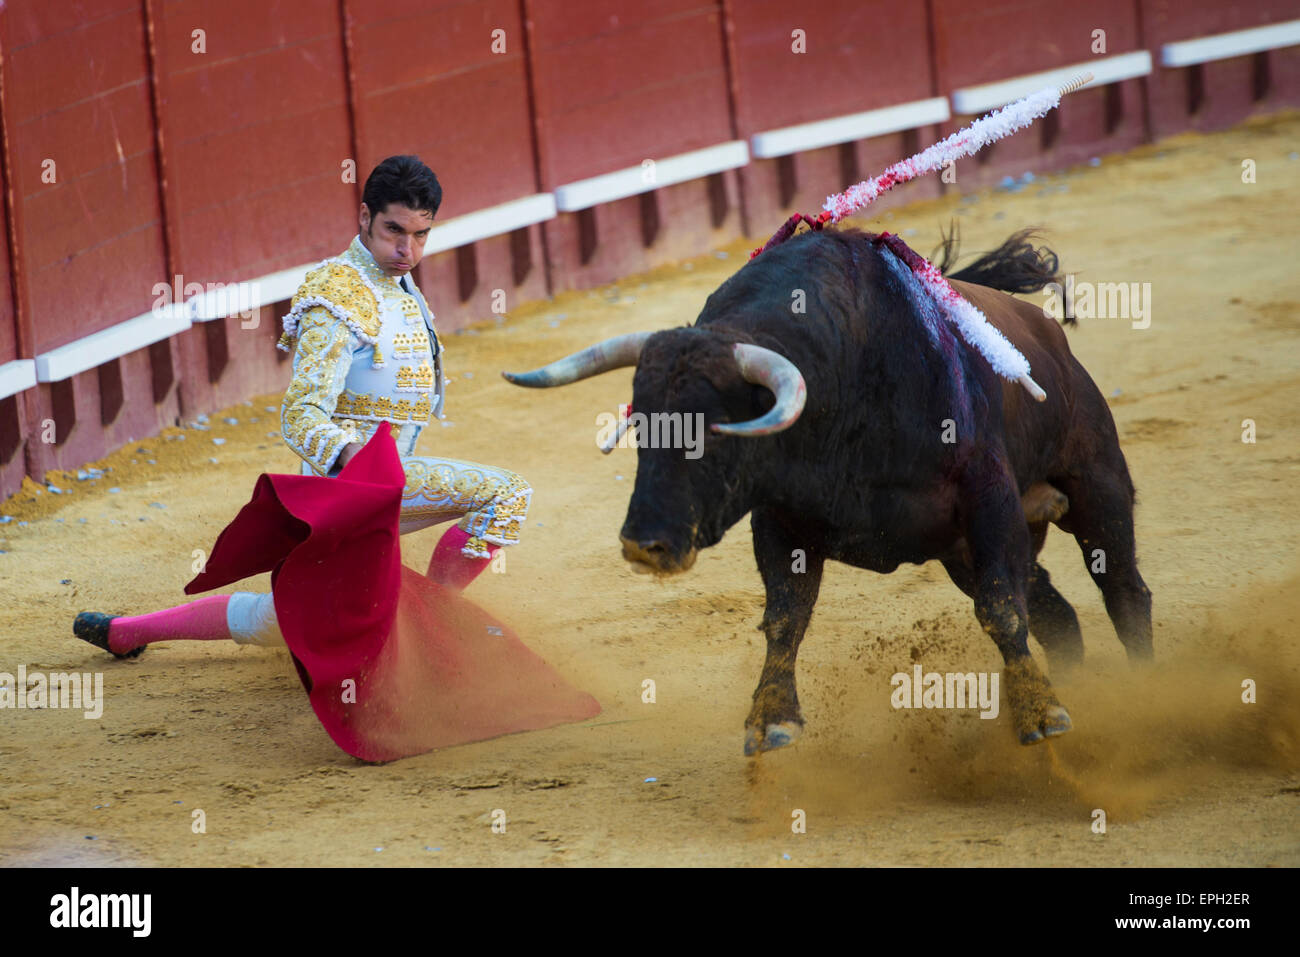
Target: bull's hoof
{"points": [[775, 736], [1034, 709], [1055, 721]]}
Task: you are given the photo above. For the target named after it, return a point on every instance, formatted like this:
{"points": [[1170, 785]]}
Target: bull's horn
{"points": [[766, 368], [614, 353]]}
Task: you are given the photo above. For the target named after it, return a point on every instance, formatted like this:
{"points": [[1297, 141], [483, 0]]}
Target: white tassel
{"points": [[965, 142], [974, 326]]}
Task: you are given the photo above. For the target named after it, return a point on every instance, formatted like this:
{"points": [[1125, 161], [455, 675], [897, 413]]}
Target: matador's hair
{"points": [[405, 180]]}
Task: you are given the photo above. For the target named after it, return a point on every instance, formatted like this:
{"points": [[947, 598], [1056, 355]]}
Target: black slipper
{"points": [[91, 626]]}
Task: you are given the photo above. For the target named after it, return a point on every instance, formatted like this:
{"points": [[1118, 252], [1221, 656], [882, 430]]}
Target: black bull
{"points": [[909, 448]]}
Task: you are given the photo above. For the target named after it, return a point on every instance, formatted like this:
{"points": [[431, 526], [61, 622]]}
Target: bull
{"points": [[864, 430]]}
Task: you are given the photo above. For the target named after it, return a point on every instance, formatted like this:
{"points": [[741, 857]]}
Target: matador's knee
{"points": [[498, 520], [490, 502]]}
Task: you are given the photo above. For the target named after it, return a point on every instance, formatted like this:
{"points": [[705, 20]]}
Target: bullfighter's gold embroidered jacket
{"points": [[366, 352]]}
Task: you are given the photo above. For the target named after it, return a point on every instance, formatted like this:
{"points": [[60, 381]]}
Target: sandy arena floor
{"points": [[1186, 773]]}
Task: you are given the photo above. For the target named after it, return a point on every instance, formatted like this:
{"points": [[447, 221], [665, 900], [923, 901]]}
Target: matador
{"points": [[365, 352]]}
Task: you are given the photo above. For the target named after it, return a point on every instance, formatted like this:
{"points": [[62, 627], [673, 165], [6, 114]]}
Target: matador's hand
{"points": [[349, 450]]}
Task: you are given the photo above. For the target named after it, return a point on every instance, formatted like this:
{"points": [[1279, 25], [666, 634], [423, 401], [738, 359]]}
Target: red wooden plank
{"points": [[439, 280], [685, 211], [82, 140], [687, 115], [611, 103], [252, 363], [233, 94], [485, 116], [1227, 86], [106, 54], [88, 439], [276, 229], [982, 44], [20, 316], [1165, 21], [454, 104], [254, 180], [80, 213], [35, 21], [851, 63], [8, 328], [238, 29], [451, 38], [91, 240], [229, 165], [559, 24], [406, 16], [102, 286], [8, 315], [13, 443], [631, 62], [1284, 71]]}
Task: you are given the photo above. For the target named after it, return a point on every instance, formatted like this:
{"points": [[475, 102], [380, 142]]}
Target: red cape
{"points": [[393, 663]]}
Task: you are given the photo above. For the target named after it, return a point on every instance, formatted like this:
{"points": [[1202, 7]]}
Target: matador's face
{"points": [[395, 236]]}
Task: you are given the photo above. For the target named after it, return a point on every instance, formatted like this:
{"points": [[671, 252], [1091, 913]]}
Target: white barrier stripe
{"points": [[111, 343], [1221, 46], [849, 127], [493, 221], [974, 100], [17, 376], [634, 180]]}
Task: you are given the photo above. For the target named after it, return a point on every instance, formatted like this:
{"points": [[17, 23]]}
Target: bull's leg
{"points": [[1051, 618], [791, 566], [1054, 623], [1001, 559], [1101, 520]]}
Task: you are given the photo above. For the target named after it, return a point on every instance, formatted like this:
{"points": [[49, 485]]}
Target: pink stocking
{"points": [[202, 620], [452, 569]]}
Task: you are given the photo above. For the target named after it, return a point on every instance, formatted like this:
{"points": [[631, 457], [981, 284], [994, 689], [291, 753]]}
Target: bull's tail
{"points": [[1015, 266]]}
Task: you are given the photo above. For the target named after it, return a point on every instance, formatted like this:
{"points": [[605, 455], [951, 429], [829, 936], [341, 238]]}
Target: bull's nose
{"points": [[656, 555], [651, 551]]}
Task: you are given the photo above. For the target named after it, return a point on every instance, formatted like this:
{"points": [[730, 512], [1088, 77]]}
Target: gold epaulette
{"points": [[343, 292]]}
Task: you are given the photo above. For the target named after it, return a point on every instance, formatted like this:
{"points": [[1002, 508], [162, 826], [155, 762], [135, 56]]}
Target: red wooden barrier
{"points": [[13, 438], [795, 64], [257, 183], [615, 85], [92, 238], [87, 218], [448, 82], [484, 279], [1217, 94], [13, 443], [172, 162]]}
